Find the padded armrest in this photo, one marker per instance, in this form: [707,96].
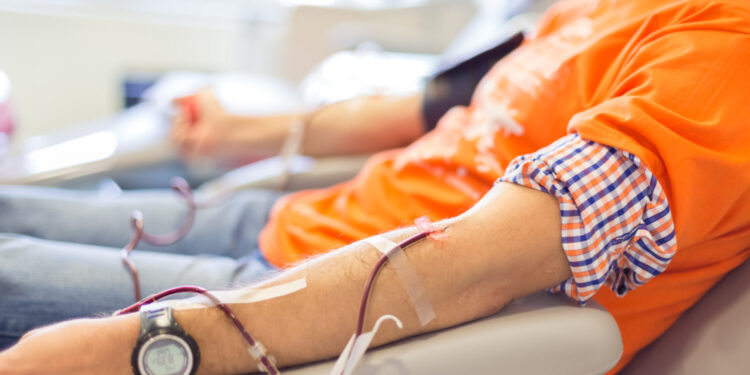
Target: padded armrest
[304,173]
[712,337]
[133,138]
[540,334]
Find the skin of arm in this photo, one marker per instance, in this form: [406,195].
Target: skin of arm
[507,246]
[357,126]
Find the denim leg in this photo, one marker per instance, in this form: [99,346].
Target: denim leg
[230,228]
[43,282]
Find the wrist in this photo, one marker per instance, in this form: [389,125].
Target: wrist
[163,346]
[258,136]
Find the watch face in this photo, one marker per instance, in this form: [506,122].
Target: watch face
[165,355]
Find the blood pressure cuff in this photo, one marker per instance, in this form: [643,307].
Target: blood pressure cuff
[455,80]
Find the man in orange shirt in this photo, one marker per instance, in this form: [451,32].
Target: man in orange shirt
[626,120]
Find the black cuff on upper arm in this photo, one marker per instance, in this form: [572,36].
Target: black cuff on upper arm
[455,81]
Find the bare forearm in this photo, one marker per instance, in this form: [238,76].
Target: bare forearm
[316,323]
[357,126]
[496,252]
[365,125]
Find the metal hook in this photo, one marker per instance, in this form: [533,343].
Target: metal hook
[136,221]
[181,187]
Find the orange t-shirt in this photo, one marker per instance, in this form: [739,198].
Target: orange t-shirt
[665,80]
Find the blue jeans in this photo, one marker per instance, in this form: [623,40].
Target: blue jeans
[59,251]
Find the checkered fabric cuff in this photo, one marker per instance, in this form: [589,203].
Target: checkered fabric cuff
[616,225]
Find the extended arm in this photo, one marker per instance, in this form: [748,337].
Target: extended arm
[356,126]
[506,246]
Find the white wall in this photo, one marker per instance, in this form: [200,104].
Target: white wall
[66,58]
[67,69]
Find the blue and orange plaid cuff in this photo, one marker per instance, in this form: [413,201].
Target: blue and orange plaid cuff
[616,225]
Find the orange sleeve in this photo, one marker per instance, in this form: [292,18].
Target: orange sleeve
[680,103]
[678,100]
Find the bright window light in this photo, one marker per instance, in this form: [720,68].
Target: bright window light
[76,152]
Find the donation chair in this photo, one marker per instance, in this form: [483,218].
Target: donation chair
[712,337]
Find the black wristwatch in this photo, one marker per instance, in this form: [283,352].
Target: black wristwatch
[163,347]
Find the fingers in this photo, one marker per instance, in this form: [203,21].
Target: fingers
[178,100]
[188,108]
[202,91]
[192,141]
[184,126]
[194,125]
[179,129]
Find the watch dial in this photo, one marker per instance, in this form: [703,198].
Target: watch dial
[166,357]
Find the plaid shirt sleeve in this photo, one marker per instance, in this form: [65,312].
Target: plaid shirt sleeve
[616,225]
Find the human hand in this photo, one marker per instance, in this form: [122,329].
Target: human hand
[201,126]
[81,347]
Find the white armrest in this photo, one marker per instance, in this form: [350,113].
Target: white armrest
[712,337]
[540,334]
[304,173]
[133,138]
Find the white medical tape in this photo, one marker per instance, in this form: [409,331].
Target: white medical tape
[238,296]
[357,346]
[407,274]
